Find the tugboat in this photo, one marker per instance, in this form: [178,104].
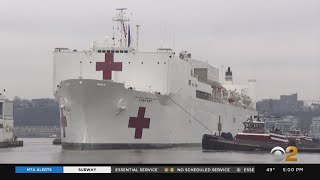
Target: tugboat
[254,137]
[301,140]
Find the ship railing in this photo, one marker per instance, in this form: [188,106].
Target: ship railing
[164,50]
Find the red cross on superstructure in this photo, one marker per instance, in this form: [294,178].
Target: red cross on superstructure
[108,66]
[139,123]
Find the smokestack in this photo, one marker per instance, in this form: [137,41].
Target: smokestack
[228,77]
[252,91]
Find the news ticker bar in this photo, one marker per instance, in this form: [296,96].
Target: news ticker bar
[134,169]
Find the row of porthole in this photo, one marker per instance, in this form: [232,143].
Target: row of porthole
[81,62]
[113,51]
[101,84]
[129,62]
[80,82]
[142,62]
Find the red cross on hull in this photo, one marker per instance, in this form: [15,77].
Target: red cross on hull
[139,123]
[108,66]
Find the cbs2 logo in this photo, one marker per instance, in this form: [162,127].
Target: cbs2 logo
[279,154]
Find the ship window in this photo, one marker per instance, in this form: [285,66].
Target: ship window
[141,62]
[1,125]
[189,82]
[121,51]
[125,51]
[108,51]
[103,51]
[117,51]
[99,51]
[158,63]
[201,73]
[234,120]
[165,62]
[129,62]
[202,95]
[112,51]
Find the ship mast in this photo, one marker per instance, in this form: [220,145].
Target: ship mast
[121,19]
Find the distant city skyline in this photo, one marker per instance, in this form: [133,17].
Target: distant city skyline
[276,42]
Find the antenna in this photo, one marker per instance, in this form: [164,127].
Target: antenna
[137,41]
[173,41]
[121,9]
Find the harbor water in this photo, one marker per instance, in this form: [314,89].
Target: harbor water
[42,151]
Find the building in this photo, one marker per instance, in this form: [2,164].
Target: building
[6,120]
[315,107]
[284,124]
[270,122]
[315,128]
[286,105]
[287,123]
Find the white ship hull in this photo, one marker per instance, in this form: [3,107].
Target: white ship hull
[102,114]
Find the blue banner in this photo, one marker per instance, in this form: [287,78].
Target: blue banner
[39,169]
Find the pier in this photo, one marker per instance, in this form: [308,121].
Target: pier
[36,131]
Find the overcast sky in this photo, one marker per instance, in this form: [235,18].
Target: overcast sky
[276,42]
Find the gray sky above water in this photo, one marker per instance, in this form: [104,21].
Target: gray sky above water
[276,42]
